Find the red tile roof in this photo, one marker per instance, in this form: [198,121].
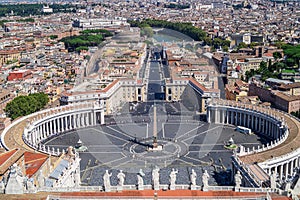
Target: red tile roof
[110,86]
[197,84]
[33,162]
[5,156]
[9,158]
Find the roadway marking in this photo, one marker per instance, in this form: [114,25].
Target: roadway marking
[109,135]
[202,133]
[122,163]
[129,124]
[210,150]
[103,164]
[104,145]
[186,162]
[190,131]
[199,145]
[155,80]
[186,156]
[125,134]
[182,123]
[217,144]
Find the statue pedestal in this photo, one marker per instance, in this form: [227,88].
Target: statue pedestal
[140,187]
[193,187]
[172,187]
[204,189]
[156,187]
[108,189]
[237,189]
[119,188]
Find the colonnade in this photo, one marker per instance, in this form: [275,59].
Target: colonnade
[285,168]
[55,123]
[258,122]
[261,122]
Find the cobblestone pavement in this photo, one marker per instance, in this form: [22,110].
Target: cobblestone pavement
[188,144]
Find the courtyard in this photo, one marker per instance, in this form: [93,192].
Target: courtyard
[123,144]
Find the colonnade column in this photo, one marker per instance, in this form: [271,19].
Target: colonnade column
[38,135]
[281,171]
[81,120]
[66,123]
[102,119]
[271,130]
[256,123]
[267,130]
[47,128]
[227,117]
[87,118]
[33,138]
[51,127]
[55,125]
[291,167]
[215,116]
[58,125]
[61,124]
[44,131]
[259,124]
[248,120]
[93,119]
[74,121]
[252,122]
[77,120]
[286,170]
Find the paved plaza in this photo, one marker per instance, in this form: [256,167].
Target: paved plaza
[122,144]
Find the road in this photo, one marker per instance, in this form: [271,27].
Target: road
[156,80]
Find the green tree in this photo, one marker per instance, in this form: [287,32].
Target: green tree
[88,38]
[242,45]
[52,37]
[79,49]
[253,44]
[277,55]
[279,44]
[225,48]
[217,42]
[147,31]
[25,105]
[249,74]
[185,28]
[290,62]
